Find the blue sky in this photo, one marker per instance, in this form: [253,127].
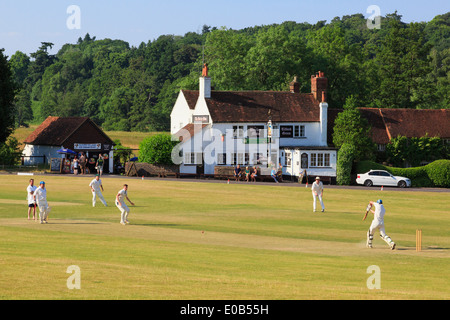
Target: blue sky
[24,24]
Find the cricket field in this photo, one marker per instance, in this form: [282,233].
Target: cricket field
[200,240]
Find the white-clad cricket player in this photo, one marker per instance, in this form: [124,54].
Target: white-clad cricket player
[40,196]
[97,188]
[30,197]
[378,223]
[120,203]
[317,192]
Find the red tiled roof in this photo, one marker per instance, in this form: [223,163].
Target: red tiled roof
[54,131]
[191,98]
[390,123]
[417,123]
[188,131]
[254,106]
[378,130]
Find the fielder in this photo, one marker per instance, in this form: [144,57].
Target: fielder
[120,203]
[40,196]
[31,202]
[377,223]
[317,192]
[96,185]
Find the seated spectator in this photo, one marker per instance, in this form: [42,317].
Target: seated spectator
[273,174]
[254,174]
[237,173]
[247,174]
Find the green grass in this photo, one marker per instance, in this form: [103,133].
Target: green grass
[193,240]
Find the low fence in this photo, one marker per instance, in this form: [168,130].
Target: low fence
[149,170]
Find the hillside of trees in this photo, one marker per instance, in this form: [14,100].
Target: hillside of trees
[401,65]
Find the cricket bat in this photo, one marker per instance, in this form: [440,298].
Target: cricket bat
[369,206]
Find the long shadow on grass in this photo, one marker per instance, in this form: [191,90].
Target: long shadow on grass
[161,225]
[75,223]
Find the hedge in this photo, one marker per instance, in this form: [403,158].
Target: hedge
[435,174]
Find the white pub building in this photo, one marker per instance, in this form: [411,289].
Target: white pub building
[254,128]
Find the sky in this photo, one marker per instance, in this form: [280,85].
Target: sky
[24,24]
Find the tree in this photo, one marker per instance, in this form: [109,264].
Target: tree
[19,64]
[225,52]
[346,155]
[351,128]
[275,57]
[403,151]
[23,111]
[7,91]
[402,60]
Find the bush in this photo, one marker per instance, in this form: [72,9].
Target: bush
[157,149]
[346,155]
[439,173]
[435,174]
[10,152]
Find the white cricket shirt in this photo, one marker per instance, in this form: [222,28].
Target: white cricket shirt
[96,184]
[41,195]
[379,212]
[122,194]
[317,187]
[30,191]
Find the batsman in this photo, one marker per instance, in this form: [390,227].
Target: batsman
[377,223]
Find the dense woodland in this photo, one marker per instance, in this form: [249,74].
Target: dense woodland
[134,88]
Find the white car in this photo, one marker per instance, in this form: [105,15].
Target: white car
[382,178]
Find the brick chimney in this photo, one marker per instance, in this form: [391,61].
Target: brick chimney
[319,86]
[294,86]
[205,83]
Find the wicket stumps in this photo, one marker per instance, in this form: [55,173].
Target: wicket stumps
[419,240]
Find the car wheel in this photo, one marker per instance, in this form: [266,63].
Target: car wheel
[402,184]
[368,183]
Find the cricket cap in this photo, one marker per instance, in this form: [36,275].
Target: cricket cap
[317,178]
[380,201]
[42,182]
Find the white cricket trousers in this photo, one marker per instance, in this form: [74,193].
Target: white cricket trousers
[124,211]
[43,211]
[380,226]
[315,200]
[377,225]
[98,194]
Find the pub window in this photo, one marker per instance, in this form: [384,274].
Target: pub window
[288,159]
[222,158]
[257,158]
[189,158]
[320,160]
[240,158]
[193,158]
[327,160]
[255,131]
[299,131]
[238,131]
[233,159]
[313,159]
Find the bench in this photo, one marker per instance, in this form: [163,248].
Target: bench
[227,172]
[165,174]
[324,179]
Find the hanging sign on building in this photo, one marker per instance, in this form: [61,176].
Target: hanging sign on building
[87,146]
